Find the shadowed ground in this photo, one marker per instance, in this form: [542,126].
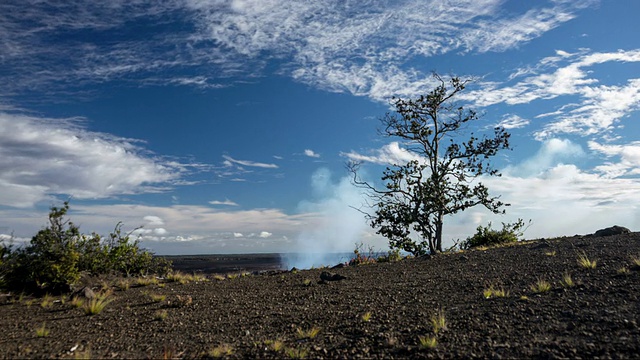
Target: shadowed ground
[271,315]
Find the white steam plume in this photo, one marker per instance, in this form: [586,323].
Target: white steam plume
[339,227]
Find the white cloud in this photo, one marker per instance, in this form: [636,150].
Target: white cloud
[226,202]
[629,158]
[552,152]
[237,235]
[311,153]
[264,234]
[230,160]
[600,107]
[153,220]
[513,122]
[363,48]
[40,158]
[390,154]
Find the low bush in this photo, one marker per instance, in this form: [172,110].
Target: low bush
[486,236]
[59,253]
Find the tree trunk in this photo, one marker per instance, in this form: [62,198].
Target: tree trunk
[438,238]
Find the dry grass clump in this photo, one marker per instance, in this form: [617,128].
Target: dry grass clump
[42,331]
[220,351]
[47,301]
[274,345]
[540,286]
[366,317]
[585,262]
[428,342]
[494,292]
[97,304]
[567,281]
[183,278]
[438,321]
[308,334]
[160,315]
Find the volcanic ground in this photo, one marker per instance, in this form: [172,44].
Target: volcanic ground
[382,310]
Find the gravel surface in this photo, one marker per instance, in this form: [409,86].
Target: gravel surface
[273,315]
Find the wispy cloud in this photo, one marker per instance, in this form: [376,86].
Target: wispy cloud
[390,154]
[249,163]
[362,48]
[40,158]
[513,121]
[598,108]
[311,153]
[225,202]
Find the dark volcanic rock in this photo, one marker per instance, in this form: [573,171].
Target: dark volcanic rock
[599,317]
[327,276]
[613,230]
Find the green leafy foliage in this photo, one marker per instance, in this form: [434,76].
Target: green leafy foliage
[442,178]
[486,236]
[59,253]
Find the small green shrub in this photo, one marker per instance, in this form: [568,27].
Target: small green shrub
[57,254]
[392,256]
[360,257]
[486,236]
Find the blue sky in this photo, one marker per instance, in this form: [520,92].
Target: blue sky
[224,126]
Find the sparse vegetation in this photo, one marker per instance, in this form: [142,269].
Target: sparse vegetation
[360,257]
[366,317]
[585,262]
[307,282]
[623,271]
[438,321]
[550,253]
[160,315]
[157,297]
[97,304]
[486,236]
[392,256]
[221,351]
[76,302]
[428,342]
[42,331]
[635,261]
[540,286]
[567,280]
[274,345]
[296,353]
[57,254]
[46,301]
[308,334]
[494,292]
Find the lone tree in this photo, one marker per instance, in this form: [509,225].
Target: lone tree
[442,180]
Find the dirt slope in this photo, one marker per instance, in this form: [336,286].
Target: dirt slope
[599,317]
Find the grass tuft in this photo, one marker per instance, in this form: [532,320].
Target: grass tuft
[296,353]
[494,292]
[47,301]
[636,262]
[97,304]
[567,281]
[550,253]
[623,271]
[540,286]
[428,342]
[585,263]
[160,315]
[438,321]
[275,345]
[42,331]
[366,317]
[220,351]
[157,297]
[308,334]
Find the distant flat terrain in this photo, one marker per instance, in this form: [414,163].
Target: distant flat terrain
[223,263]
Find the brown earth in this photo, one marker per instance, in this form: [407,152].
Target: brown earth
[597,318]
